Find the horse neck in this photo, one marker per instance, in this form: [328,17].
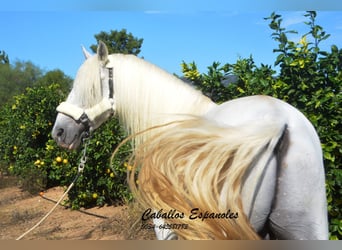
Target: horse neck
[147,95]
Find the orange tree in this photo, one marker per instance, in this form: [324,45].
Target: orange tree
[309,79]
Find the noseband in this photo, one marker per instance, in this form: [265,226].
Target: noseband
[89,115]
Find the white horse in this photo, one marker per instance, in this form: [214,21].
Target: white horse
[256,160]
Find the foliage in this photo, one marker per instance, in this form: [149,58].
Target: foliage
[211,84]
[55,76]
[119,42]
[309,79]
[15,78]
[4,57]
[25,127]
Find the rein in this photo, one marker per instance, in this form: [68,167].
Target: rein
[88,116]
[80,169]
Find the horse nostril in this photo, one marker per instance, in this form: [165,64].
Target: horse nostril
[60,132]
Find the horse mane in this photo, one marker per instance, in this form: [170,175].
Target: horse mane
[147,95]
[198,164]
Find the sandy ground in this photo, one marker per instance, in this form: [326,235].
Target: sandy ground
[19,211]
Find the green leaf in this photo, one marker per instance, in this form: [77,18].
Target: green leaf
[279,59]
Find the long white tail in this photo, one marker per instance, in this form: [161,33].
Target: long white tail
[196,164]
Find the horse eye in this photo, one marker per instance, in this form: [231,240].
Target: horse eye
[60,132]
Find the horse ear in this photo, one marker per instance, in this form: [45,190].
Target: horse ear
[102,52]
[86,53]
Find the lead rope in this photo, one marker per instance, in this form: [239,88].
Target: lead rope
[80,168]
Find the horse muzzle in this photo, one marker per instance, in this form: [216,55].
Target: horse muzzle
[68,133]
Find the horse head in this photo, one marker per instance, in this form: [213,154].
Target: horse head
[90,102]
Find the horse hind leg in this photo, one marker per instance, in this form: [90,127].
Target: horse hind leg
[163,233]
[300,209]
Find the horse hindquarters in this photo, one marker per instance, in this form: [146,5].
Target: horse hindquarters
[300,208]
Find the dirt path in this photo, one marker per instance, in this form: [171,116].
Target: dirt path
[19,211]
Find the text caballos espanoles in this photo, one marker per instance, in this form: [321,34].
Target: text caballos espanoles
[194,214]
